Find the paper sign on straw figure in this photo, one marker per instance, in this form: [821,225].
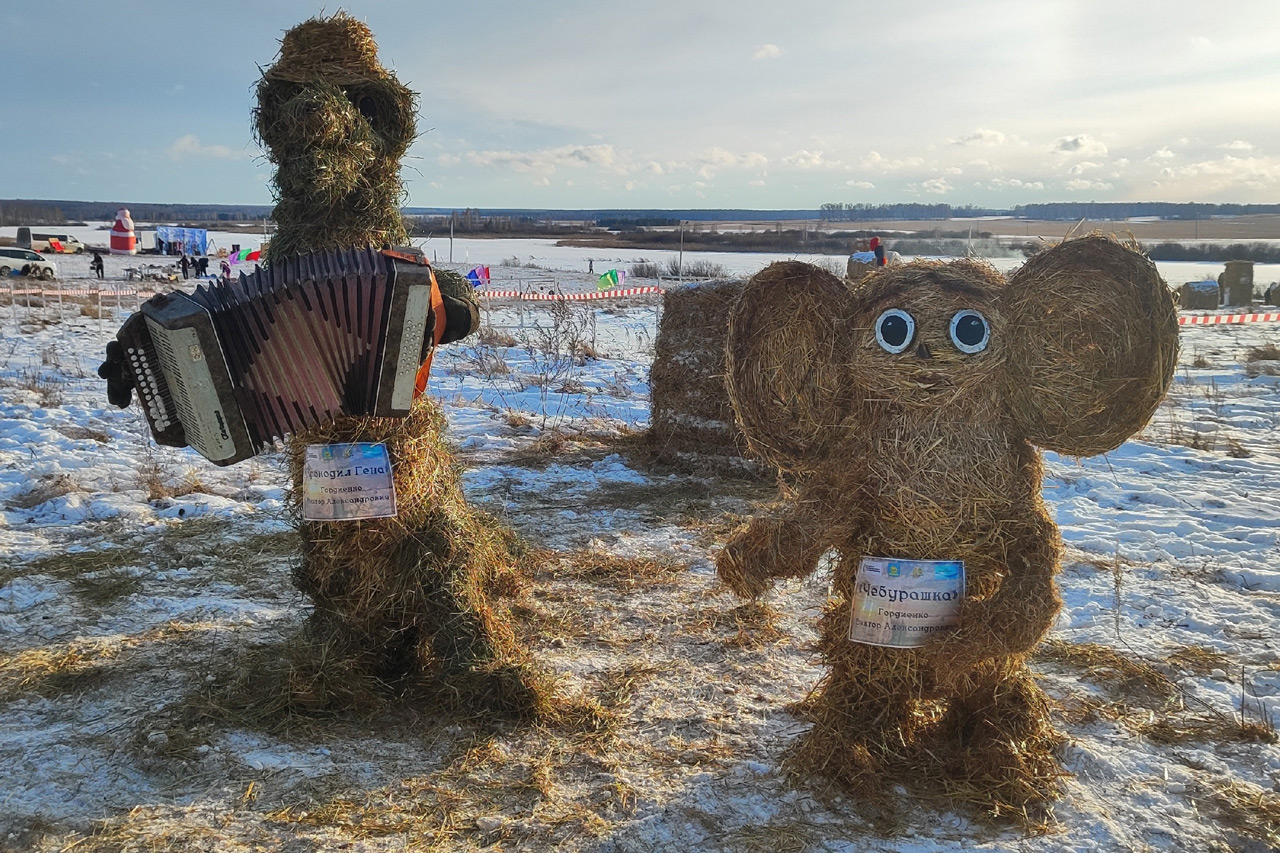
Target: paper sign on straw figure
[907,407]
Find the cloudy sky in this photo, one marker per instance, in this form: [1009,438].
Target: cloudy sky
[674,103]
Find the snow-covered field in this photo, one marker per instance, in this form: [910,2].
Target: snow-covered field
[135,580]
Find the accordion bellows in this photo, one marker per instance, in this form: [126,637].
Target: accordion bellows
[231,366]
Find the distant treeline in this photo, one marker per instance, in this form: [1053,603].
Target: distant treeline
[473,222]
[1261,253]
[1058,210]
[698,238]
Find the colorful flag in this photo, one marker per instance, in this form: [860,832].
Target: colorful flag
[478,276]
[613,278]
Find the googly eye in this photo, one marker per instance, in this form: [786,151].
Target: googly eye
[894,330]
[970,331]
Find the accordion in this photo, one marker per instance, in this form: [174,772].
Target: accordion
[231,366]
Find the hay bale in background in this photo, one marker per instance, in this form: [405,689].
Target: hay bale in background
[1236,283]
[1198,295]
[855,270]
[691,420]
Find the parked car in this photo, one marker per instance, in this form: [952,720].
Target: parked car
[25,262]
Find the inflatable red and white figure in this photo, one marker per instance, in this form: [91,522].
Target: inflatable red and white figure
[123,241]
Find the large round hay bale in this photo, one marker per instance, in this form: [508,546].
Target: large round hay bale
[1093,346]
[691,419]
[855,270]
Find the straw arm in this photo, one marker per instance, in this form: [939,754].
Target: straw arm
[785,545]
[1014,618]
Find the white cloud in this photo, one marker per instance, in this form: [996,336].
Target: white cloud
[716,158]
[1082,144]
[936,186]
[756,182]
[805,159]
[875,161]
[447,160]
[766,51]
[1085,184]
[1083,166]
[1237,145]
[1163,154]
[547,160]
[981,136]
[1015,183]
[190,146]
[860,185]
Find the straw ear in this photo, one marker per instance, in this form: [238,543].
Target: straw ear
[787,348]
[1092,345]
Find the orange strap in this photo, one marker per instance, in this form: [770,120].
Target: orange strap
[437,308]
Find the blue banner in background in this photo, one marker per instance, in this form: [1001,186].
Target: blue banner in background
[191,241]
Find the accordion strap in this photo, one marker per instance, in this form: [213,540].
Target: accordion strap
[437,310]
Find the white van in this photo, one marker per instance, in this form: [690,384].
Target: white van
[51,242]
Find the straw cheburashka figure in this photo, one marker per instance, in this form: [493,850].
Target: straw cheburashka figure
[907,408]
[410,597]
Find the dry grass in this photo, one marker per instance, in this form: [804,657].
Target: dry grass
[603,568]
[1246,809]
[1262,361]
[48,487]
[1146,700]
[489,336]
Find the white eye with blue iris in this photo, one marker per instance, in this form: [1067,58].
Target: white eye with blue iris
[970,331]
[894,330]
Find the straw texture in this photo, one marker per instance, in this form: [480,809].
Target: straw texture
[405,602]
[335,124]
[927,454]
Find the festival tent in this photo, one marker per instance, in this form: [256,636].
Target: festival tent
[478,276]
[191,241]
[613,278]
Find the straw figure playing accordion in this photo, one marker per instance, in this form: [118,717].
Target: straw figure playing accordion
[906,408]
[326,345]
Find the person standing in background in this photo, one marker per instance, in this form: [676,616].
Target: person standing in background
[878,249]
[95,265]
[184,265]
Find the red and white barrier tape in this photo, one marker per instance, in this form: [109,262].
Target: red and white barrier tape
[544,297]
[1216,319]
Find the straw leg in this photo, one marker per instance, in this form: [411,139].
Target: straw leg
[1001,745]
[865,713]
